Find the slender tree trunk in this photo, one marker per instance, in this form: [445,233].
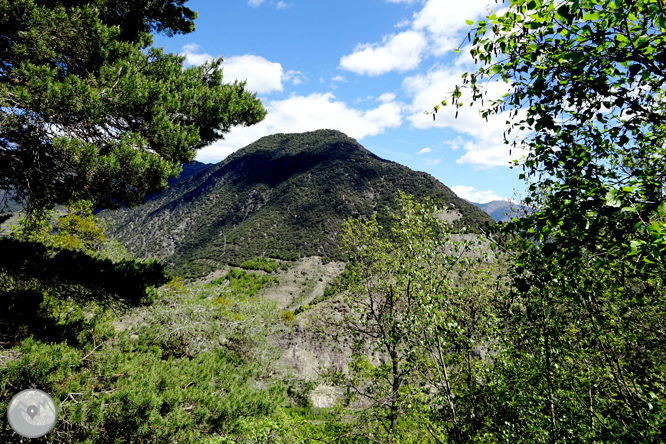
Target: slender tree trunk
[549,379]
[449,393]
[394,396]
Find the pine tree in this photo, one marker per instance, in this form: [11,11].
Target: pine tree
[90,110]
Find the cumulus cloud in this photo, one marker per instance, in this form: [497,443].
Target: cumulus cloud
[483,156]
[281,5]
[193,56]
[424,150]
[444,21]
[255,3]
[262,76]
[436,29]
[400,52]
[483,141]
[474,195]
[339,78]
[307,113]
[386,97]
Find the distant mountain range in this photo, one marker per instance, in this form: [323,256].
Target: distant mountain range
[503,210]
[283,196]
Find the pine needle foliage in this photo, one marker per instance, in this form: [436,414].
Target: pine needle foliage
[90,110]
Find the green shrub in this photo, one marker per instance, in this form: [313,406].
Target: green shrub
[260,263]
[242,283]
[122,394]
[208,317]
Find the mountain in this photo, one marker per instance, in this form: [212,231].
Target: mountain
[283,196]
[502,210]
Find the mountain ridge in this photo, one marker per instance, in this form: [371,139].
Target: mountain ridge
[503,210]
[283,196]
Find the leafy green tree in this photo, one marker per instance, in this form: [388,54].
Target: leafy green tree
[583,357]
[76,230]
[90,110]
[416,310]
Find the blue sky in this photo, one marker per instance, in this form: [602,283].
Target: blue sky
[369,68]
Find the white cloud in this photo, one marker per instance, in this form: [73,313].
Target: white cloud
[255,3]
[296,77]
[484,156]
[437,28]
[444,20]
[433,161]
[400,52]
[307,113]
[386,97]
[281,5]
[474,195]
[262,75]
[482,141]
[456,143]
[424,150]
[339,78]
[192,55]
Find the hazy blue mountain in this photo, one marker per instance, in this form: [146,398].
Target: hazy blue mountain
[502,210]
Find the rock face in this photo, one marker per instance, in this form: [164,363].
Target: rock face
[283,196]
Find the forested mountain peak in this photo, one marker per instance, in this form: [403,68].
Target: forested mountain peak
[285,196]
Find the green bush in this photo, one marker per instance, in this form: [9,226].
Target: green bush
[242,283]
[121,394]
[260,263]
[188,320]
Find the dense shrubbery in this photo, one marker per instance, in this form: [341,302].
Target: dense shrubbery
[193,365]
[242,282]
[122,393]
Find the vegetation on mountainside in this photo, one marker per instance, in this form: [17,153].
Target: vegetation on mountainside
[261,263]
[185,369]
[242,282]
[50,284]
[284,196]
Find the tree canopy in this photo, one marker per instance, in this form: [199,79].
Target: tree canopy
[90,110]
[586,79]
[582,354]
